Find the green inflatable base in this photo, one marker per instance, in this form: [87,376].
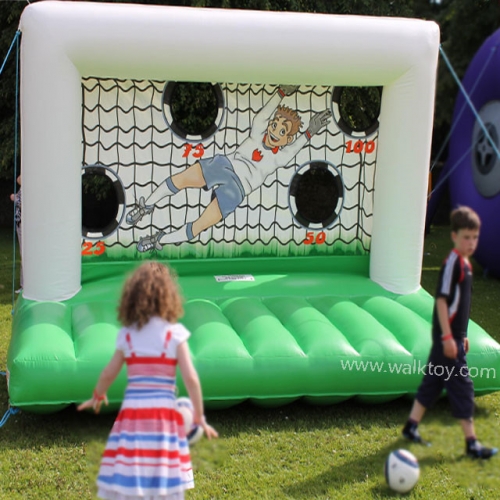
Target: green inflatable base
[271,331]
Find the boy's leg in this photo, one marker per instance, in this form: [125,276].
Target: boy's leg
[191,177]
[166,188]
[429,390]
[410,430]
[210,216]
[468,428]
[460,391]
[473,448]
[417,411]
[217,173]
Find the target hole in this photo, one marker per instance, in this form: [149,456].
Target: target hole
[316,195]
[357,109]
[193,110]
[102,198]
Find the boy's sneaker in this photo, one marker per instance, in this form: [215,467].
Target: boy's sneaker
[477,450]
[150,243]
[135,215]
[411,433]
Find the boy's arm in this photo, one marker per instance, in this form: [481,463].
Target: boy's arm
[266,112]
[449,345]
[318,121]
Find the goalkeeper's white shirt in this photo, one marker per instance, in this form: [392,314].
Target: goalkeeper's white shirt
[253,161]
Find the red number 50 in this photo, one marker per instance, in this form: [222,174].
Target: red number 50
[319,239]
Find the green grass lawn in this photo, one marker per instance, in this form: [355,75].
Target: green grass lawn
[292,452]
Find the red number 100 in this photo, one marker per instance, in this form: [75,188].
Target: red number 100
[359,146]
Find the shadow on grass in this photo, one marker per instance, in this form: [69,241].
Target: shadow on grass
[28,431]
[338,476]
[345,416]
[31,431]
[300,416]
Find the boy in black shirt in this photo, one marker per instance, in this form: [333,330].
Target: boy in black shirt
[449,338]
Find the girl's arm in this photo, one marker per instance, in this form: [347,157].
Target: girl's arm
[107,377]
[193,386]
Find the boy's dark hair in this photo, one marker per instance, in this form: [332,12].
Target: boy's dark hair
[464,218]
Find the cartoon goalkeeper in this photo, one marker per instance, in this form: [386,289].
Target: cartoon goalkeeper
[272,144]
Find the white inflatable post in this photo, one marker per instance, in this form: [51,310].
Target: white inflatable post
[401,180]
[51,157]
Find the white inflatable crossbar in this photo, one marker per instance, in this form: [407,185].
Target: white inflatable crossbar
[65,41]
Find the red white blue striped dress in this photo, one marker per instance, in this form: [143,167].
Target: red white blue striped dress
[147,454]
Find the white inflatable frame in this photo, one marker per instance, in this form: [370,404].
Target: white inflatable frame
[65,41]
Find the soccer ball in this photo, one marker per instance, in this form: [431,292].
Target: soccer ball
[193,432]
[401,471]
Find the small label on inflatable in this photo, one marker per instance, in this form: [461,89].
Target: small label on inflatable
[234,277]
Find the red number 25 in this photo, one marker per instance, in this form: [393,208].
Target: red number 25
[89,248]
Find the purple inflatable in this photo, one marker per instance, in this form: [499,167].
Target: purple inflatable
[473,166]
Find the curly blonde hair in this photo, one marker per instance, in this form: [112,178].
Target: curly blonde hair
[151,290]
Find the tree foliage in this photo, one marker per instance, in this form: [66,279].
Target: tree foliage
[9,20]
[465,24]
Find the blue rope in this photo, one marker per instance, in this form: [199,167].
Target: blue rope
[16,132]
[480,121]
[450,171]
[469,102]
[14,40]
[11,411]
[463,108]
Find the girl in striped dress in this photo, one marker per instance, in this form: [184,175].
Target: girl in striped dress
[147,454]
